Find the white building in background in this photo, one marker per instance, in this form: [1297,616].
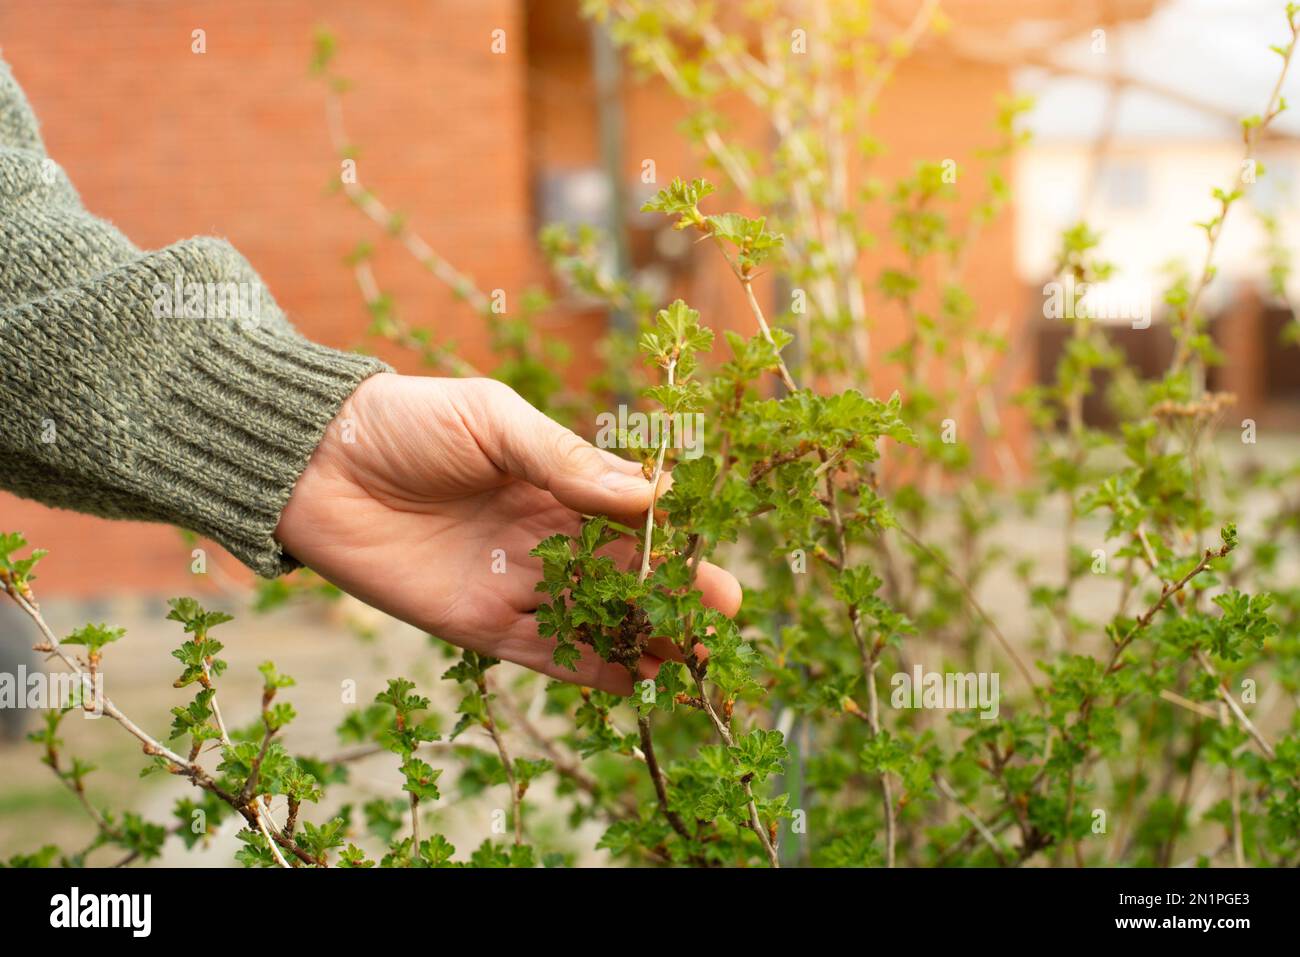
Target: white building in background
[1164,155]
[1134,127]
[1148,197]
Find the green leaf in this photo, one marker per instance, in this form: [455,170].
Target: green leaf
[94,637]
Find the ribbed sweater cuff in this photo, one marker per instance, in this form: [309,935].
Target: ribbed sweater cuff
[250,405]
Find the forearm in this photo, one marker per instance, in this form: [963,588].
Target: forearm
[163,385]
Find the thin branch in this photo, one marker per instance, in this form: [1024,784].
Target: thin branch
[869,659]
[724,734]
[568,767]
[757,310]
[1231,702]
[1196,707]
[974,603]
[969,814]
[490,723]
[660,782]
[1251,136]
[245,798]
[151,746]
[655,476]
[462,285]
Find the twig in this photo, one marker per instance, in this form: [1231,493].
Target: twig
[1167,591]
[980,827]
[366,201]
[567,766]
[869,660]
[757,310]
[244,797]
[151,746]
[974,603]
[1231,702]
[402,335]
[657,778]
[655,476]
[724,734]
[1251,135]
[1204,710]
[490,723]
[415,824]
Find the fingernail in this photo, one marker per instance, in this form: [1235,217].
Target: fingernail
[623,482]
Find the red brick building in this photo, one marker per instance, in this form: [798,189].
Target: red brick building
[167,142]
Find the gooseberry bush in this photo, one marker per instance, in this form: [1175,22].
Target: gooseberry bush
[1144,685]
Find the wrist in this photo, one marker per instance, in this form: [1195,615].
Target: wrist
[329,471]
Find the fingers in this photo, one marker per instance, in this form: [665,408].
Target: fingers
[719,588]
[524,646]
[528,445]
[664,648]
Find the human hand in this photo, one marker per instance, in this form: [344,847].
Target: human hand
[438,475]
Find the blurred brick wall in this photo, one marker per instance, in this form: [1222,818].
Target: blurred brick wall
[167,143]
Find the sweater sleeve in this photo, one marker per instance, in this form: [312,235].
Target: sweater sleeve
[163,386]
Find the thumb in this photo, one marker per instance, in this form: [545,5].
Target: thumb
[530,445]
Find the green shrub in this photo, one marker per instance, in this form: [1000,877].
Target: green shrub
[870,532]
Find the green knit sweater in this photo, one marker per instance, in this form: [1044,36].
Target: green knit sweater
[165,386]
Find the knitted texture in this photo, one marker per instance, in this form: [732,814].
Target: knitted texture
[164,386]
